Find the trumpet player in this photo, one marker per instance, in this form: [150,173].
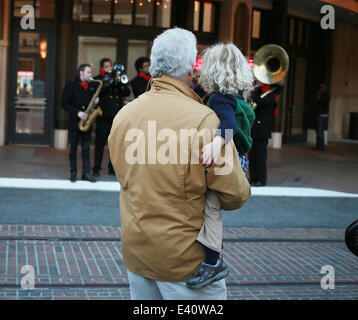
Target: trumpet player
[76,96]
[111,101]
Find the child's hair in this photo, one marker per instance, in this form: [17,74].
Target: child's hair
[225,70]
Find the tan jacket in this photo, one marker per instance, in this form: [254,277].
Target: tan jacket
[161,205]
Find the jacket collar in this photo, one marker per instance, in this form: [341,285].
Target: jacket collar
[171,84]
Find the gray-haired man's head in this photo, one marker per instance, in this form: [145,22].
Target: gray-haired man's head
[173,54]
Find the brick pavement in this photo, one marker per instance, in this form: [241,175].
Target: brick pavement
[85,262]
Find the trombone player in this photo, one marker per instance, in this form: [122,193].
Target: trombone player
[271,64]
[76,96]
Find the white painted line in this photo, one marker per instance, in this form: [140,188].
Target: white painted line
[50,184]
[53,184]
[299,192]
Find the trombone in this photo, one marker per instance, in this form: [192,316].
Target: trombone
[271,64]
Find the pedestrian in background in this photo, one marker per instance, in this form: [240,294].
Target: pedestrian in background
[322,116]
[140,82]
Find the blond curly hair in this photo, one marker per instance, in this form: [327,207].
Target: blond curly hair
[225,69]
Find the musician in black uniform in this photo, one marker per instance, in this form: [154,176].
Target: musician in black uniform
[76,97]
[110,101]
[260,133]
[140,82]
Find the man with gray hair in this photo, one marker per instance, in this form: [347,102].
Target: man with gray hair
[162,202]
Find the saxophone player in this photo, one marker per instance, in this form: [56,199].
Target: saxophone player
[76,96]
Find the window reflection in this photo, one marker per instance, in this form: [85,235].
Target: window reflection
[31,101]
[209,13]
[196,15]
[163,13]
[81,10]
[45,9]
[101,11]
[123,11]
[144,12]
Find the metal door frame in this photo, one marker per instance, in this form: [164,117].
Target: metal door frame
[47,137]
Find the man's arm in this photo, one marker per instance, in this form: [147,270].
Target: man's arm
[232,187]
[67,101]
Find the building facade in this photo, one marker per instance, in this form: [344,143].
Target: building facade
[36,63]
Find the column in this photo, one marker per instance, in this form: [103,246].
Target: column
[63,72]
[4,61]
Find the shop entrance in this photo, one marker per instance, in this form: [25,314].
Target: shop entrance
[32,83]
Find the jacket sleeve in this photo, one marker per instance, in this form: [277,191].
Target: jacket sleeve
[224,108]
[227,178]
[266,101]
[67,100]
[125,91]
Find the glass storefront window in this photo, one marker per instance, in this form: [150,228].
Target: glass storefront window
[123,11]
[144,12]
[136,49]
[92,49]
[81,10]
[45,9]
[30,101]
[209,17]
[196,15]
[18,4]
[256,24]
[163,13]
[101,11]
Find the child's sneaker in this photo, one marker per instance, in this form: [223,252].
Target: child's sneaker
[207,274]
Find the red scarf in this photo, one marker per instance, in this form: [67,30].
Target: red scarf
[265,88]
[145,76]
[84,85]
[102,72]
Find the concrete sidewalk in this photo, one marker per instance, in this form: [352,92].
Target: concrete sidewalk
[295,165]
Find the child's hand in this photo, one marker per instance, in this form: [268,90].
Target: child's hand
[212,151]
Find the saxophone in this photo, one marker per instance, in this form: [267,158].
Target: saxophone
[91,112]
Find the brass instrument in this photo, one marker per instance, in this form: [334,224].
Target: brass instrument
[271,64]
[91,111]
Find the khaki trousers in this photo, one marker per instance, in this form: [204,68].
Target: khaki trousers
[142,288]
[211,233]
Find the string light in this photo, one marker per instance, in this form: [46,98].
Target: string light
[196,6]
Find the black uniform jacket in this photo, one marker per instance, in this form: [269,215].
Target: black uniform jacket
[262,126]
[75,98]
[323,103]
[139,86]
[111,97]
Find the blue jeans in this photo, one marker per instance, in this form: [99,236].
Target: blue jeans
[321,126]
